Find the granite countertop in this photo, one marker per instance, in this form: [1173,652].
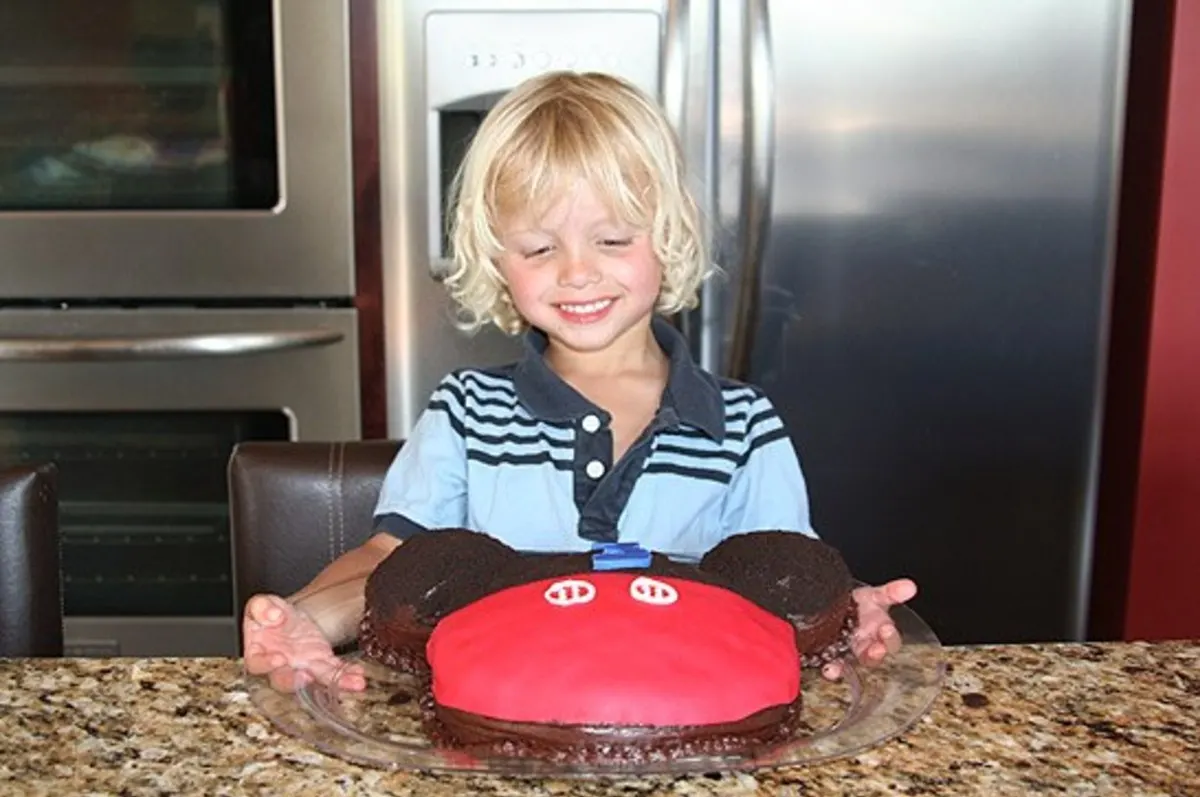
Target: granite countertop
[1121,719]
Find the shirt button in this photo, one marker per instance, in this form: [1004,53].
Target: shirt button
[590,423]
[595,469]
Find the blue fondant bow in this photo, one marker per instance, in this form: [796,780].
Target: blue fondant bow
[619,555]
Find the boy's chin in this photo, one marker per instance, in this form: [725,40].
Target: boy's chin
[588,340]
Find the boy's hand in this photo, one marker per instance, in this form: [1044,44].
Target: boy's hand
[283,643]
[876,636]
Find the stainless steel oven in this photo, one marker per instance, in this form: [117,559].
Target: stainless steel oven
[214,134]
[141,414]
[176,275]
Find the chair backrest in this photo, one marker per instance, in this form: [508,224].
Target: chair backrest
[30,569]
[297,506]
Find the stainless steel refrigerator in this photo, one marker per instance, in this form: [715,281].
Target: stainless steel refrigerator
[914,207]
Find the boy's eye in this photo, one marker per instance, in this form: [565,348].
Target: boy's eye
[616,243]
[537,252]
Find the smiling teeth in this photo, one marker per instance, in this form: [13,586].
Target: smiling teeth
[584,309]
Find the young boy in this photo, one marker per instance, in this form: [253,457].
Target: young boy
[572,226]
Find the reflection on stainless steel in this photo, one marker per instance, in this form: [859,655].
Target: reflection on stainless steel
[758,172]
[150,347]
[935,288]
[694,130]
[675,63]
[673,84]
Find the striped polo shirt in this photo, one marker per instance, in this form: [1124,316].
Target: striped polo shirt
[518,454]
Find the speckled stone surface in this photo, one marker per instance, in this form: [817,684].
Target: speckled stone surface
[1120,719]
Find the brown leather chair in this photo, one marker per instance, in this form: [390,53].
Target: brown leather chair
[295,507]
[30,569]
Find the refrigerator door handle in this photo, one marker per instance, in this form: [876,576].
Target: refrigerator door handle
[758,167]
[674,73]
[160,347]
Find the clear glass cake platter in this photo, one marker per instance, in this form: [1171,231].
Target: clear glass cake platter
[381,726]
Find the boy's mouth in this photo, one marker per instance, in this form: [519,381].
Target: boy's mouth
[585,311]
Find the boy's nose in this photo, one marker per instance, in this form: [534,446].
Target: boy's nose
[576,271]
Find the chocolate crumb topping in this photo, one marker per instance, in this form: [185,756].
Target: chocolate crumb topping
[436,573]
[789,574]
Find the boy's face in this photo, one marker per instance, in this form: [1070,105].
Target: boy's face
[587,279]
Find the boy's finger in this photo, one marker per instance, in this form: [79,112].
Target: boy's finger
[286,679]
[264,610]
[353,679]
[257,663]
[290,677]
[323,669]
[890,637]
[901,590]
[874,654]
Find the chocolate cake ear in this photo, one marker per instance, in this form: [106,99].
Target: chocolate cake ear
[796,577]
[437,572]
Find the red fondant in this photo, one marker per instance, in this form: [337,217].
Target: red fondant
[712,656]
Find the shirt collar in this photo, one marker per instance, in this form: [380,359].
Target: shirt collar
[693,393]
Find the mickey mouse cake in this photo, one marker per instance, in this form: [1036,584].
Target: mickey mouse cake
[615,655]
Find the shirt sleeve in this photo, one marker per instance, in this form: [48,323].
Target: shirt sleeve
[767,491]
[426,485]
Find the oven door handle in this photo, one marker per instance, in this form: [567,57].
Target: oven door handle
[161,347]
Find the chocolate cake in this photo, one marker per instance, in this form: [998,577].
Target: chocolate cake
[422,581]
[616,655]
[796,577]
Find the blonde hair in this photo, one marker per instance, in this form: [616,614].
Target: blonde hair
[542,137]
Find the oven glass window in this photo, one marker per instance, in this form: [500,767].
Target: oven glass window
[143,514]
[137,104]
